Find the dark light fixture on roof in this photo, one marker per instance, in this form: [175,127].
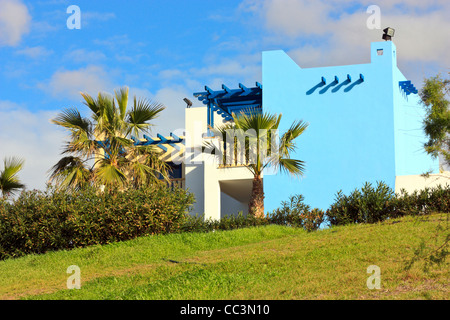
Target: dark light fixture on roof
[388,34]
[188,102]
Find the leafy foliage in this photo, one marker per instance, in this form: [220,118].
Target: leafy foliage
[434,95]
[256,145]
[37,221]
[101,149]
[370,205]
[297,214]
[294,213]
[9,181]
[198,223]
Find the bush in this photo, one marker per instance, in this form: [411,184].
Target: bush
[39,221]
[424,201]
[294,213]
[370,205]
[297,214]
[198,223]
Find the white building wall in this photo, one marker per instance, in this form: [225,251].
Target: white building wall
[203,174]
[418,182]
[231,206]
[195,125]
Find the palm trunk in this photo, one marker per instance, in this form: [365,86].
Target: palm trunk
[256,205]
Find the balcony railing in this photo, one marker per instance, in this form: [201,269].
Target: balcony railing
[177,183]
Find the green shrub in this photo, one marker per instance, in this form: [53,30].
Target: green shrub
[370,205]
[39,221]
[423,201]
[198,223]
[293,213]
[297,214]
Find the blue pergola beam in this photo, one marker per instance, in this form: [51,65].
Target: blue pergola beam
[135,140]
[175,137]
[162,138]
[244,88]
[223,100]
[227,90]
[149,141]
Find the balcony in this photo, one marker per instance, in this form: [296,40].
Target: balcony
[177,183]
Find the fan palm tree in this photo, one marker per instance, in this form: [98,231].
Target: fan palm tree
[9,181]
[262,148]
[101,150]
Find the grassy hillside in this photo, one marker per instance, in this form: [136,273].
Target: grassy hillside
[270,262]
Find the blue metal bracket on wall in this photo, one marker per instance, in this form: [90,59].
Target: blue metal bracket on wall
[408,87]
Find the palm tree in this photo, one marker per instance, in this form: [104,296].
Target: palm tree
[101,150]
[263,148]
[9,182]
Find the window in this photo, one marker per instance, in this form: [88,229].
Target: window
[380,52]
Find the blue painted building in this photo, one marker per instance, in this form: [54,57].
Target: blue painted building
[365,124]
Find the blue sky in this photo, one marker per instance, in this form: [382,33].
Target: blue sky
[166,50]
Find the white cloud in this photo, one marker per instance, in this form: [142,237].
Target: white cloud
[335,32]
[171,74]
[38,52]
[30,136]
[69,83]
[14,22]
[295,18]
[226,68]
[114,42]
[172,118]
[85,56]
[88,17]
[231,72]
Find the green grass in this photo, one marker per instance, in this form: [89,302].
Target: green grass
[270,262]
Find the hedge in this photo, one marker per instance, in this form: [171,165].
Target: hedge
[41,221]
[373,204]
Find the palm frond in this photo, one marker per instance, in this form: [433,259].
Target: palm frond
[255,135]
[155,168]
[92,104]
[122,101]
[9,181]
[108,174]
[107,138]
[107,112]
[293,167]
[256,120]
[70,173]
[81,145]
[287,141]
[142,112]
[71,119]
